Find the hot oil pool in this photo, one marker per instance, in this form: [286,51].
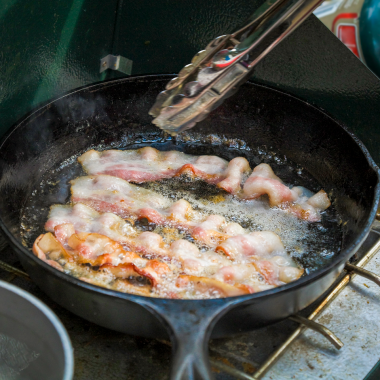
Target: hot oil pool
[311,245]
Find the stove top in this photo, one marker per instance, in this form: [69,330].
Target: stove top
[286,350]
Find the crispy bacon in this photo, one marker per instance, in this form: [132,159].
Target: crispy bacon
[264,181]
[48,247]
[111,194]
[149,164]
[234,175]
[93,231]
[154,271]
[257,244]
[98,250]
[212,287]
[104,193]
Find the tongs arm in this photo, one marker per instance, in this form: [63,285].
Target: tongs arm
[217,72]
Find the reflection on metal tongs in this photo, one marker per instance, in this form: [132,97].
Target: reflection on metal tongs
[216,73]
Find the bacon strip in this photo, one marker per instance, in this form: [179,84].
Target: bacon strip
[98,250]
[184,253]
[86,219]
[149,164]
[234,175]
[82,218]
[264,181]
[64,221]
[257,244]
[47,248]
[206,273]
[154,271]
[113,195]
[212,286]
[75,219]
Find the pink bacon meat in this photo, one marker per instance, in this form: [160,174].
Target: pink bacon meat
[265,251]
[113,195]
[64,221]
[149,164]
[98,250]
[264,181]
[67,220]
[256,243]
[83,218]
[181,252]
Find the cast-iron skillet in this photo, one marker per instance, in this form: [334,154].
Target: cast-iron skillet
[115,113]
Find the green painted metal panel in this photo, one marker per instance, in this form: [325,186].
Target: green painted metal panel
[48,47]
[311,64]
[314,65]
[162,36]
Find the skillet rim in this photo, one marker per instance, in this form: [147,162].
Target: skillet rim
[343,256]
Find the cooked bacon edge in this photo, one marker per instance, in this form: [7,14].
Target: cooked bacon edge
[99,251]
[254,261]
[263,181]
[109,194]
[256,243]
[212,286]
[149,164]
[96,238]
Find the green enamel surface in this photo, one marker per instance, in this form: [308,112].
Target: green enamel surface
[50,47]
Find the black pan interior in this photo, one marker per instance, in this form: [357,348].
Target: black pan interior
[312,245]
[258,123]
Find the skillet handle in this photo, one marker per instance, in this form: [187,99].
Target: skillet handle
[190,324]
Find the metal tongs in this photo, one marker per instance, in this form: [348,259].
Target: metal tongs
[216,73]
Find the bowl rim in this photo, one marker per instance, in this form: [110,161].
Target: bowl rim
[54,320]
